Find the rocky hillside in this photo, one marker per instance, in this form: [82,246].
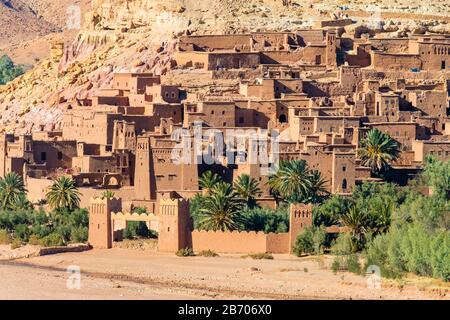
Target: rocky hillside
[19,22]
[140,35]
[27,26]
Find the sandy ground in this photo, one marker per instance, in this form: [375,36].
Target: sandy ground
[130,274]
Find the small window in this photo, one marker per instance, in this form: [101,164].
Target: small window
[344,184]
[60,155]
[43,156]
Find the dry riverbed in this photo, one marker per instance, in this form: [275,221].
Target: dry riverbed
[130,274]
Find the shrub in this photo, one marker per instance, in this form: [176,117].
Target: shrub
[22,232]
[79,234]
[329,212]
[346,263]
[336,265]
[9,71]
[411,248]
[207,253]
[310,241]
[267,220]
[16,243]
[185,252]
[5,238]
[343,245]
[52,240]
[304,244]
[138,229]
[33,240]
[259,256]
[353,264]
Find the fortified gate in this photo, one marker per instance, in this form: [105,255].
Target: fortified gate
[172,221]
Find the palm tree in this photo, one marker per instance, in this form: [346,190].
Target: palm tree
[63,194]
[208,180]
[247,189]
[378,150]
[292,181]
[21,203]
[11,187]
[318,189]
[356,221]
[220,209]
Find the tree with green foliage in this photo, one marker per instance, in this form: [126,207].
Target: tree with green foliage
[378,150]
[437,175]
[11,189]
[318,190]
[8,71]
[330,211]
[310,241]
[208,180]
[247,189]
[138,229]
[292,181]
[63,194]
[220,209]
[266,220]
[356,221]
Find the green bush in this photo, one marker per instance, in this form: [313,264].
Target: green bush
[348,262]
[411,248]
[185,252]
[138,229]
[79,234]
[266,220]
[330,211]
[22,232]
[310,241]
[5,238]
[304,244]
[344,245]
[8,71]
[336,265]
[52,240]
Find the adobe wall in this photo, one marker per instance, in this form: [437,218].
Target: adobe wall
[37,188]
[214,42]
[277,242]
[233,60]
[124,193]
[239,242]
[395,61]
[192,59]
[281,57]
[400,45]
